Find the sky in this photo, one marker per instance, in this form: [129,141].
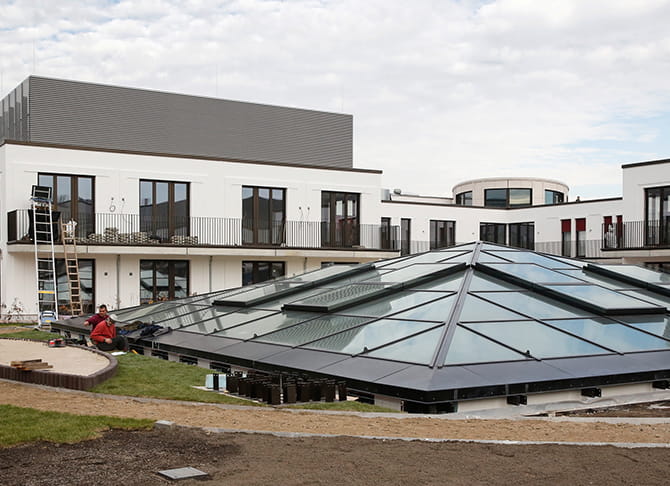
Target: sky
[441,91]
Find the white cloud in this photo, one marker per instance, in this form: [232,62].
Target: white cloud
[440,91]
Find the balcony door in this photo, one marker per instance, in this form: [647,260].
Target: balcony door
[73,199]
[339,219]
[263,215]
[657,217]
[164,209]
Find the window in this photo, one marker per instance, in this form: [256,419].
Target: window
[256,272]
[580,228]
[405,235]
[508,198]
[163,280]
[522,235]
[657,217]
[493,232]
[263,215]
[73,198]
[164,209]
[553,197]
[566,237]
[386,234]
[86,285]
[495,198]
[464,198]
[442,234]
[339,219]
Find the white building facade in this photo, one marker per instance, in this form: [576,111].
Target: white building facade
[171,205]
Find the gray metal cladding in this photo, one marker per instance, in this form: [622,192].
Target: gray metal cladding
[117,118]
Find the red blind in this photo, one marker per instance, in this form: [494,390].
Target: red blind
[608,221]
[565,225]
[580,224]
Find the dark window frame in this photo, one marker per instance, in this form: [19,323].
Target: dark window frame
[340,231]
[255,275]
[442,233]
[385,233]
[259,231]
[522,235]
[464,198]
[493,232]
[88,305]
[405,236]
[507,192]
[171,225]
[657,229]
[566,237]
[580,237]
[85,224]
[158,293]
[553,197]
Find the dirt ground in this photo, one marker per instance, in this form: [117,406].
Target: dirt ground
[134,458]
[236,458]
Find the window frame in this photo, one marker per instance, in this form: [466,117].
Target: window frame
[442,233]
[485,228]
[340,231]
[256,272]
[84,227]
[253,226]
[165,228]
[171,280]
[464,198]
[520,233]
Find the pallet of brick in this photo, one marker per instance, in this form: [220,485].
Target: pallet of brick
[95,238]
[111,235]
[30,365]
[140,237]
[124,238]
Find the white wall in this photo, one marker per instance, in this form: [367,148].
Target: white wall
[635,180]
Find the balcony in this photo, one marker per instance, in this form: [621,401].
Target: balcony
[636,235]
[132,230]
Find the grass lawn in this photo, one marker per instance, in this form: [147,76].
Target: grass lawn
[144,376]
[19,425]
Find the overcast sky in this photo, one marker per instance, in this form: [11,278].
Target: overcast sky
[441,90]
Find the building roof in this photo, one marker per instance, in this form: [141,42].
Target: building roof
[470,321]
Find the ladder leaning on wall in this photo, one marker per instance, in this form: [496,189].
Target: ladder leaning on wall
[45,263]
[68,239]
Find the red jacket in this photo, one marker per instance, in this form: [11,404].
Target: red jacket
[102,331]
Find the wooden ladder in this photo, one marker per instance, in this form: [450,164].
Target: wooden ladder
[69,242]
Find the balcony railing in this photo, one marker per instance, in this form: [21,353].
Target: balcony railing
[131,229]
[635,235]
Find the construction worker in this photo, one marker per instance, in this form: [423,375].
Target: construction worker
[105,338]
[96,319]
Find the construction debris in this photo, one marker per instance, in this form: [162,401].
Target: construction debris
[30,365]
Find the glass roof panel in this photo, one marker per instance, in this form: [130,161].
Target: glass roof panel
[411,272]
[483,282]
[271,323]
[468,347]
[459,258]
[450,282]
[649,296]
[276,304]
[434,311]
[466,246]
[225,321]
[173,312]
[485,257]
[390,304]
[342,296]
[655,324]
[475,309]
[638,273]
[249,297]
[325,272]
[536,306]
[430,257]
[532,273]
[601,280]
[202,314]
[369,336]
[491,246]
[137,313]
[418,349]
[612,335]
[313,330]
[606,299]
[530,257]
[537,339]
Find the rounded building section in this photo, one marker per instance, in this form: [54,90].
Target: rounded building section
[510,192]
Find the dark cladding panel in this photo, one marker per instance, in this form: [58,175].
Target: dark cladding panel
[117,118]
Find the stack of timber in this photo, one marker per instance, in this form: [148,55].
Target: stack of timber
[30,365]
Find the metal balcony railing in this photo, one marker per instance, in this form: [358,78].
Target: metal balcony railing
[132,229]
[635,235]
